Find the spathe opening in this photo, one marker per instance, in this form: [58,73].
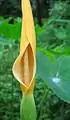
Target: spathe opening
[24,66]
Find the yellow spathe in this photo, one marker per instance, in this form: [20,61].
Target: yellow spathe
[24,67]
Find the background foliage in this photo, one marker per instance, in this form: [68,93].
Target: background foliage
[52,27]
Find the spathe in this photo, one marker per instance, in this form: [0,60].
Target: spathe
[25,65]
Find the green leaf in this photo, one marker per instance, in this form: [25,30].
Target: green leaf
[60,33]
[1,18]
[5,41]
[38,29]
[10,31]
[56,74]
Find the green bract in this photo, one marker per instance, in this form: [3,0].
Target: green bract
[28,109]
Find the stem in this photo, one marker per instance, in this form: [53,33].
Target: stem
[62,110]
[46,92]
[39,16]
[27,108]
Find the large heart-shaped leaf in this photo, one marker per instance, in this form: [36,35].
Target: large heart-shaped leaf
[55,73]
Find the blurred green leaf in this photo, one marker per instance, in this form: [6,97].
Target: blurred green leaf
[56,74]
[60,33]
[10,31]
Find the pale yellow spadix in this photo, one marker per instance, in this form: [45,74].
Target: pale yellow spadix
[25,65]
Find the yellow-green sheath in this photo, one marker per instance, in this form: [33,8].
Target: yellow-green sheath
[28,108]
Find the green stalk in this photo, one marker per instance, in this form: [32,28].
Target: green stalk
[27,108]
